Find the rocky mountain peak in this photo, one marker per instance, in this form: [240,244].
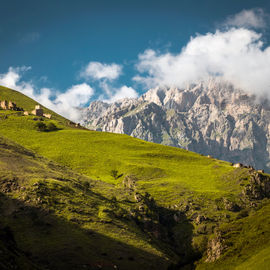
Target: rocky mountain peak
[211,117]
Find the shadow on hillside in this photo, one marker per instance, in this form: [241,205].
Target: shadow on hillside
[32,235]
[180,236]
[35,236]
[172,229]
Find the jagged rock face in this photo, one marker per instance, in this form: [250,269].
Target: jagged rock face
[215,248]
[210,118]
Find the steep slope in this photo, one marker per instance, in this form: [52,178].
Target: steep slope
[26,103]
[54,218]
[151,206]
[243,250]
[209,118]
[97,154]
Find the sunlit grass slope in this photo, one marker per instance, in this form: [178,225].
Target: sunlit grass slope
[248,240]
[25,102]
[53,217]
[160,169]
[184,193]
[259,261]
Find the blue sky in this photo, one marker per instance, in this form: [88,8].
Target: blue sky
[58,39]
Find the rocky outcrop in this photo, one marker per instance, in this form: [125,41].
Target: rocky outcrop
[215,248]
[230,206]
[258,187]
[211,118]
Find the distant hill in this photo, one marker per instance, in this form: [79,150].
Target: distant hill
[72,198]
[211,118]
[25,102]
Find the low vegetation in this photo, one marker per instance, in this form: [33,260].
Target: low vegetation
[41,126]
[75,198]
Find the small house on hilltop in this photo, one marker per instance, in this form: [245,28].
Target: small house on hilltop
[12,105]
[238,165]
[47,115]
[9,106]
[4,104]
[38,111]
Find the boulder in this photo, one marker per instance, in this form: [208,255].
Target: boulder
[231,206]
[216,247]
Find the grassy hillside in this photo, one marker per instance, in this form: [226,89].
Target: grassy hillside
[54,217]
[96,154]
[26,103]
[159,202]
[261,260]
[248,242]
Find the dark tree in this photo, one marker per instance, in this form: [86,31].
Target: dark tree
[40,126]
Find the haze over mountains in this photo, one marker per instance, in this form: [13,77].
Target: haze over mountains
[211,118]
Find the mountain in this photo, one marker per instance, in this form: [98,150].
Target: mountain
[211,118]
[72,198]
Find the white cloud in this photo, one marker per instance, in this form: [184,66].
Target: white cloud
[252,18]
[75,97]
[123,92]
[236,55]
[66,103]
[12,79]
[111,94]
[63,103]
[105,74]
[97,71]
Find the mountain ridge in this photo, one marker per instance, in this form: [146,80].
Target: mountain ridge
[211,118]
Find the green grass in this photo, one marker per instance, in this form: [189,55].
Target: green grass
[73,167]
[260,260]
[247,241]
[53,214]
[25,102]
[96,154]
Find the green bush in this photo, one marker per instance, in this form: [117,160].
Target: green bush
[86,185]
[114,174]
[40,126]
[51,127]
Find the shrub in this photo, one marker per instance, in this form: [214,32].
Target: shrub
[86,185]
[114,174]
[51,127]
[242,214]
[40,126]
